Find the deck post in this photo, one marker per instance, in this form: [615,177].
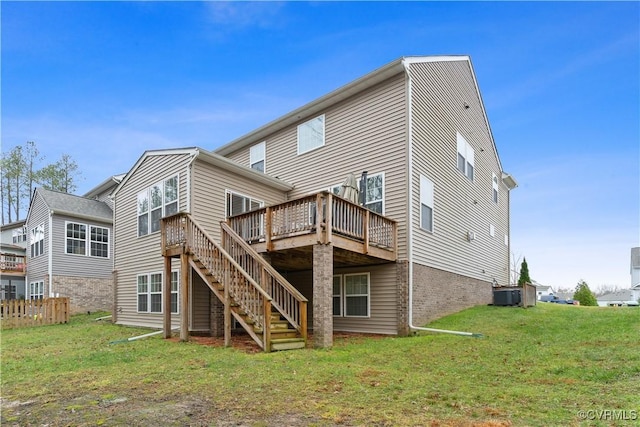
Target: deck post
[166,298]
[322,295]
[184,297]
[227,305]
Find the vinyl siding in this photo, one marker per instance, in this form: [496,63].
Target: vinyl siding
[78,265]
[365,132]
[140,255]
[209,186]
[439,93]
[38,267]
[383,300]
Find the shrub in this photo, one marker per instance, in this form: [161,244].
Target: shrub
[584,294]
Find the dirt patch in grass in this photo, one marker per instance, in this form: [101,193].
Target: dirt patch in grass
[243,342]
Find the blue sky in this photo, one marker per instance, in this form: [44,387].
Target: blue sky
[104,81]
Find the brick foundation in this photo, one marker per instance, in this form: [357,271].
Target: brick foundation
[86,294]
[437,293]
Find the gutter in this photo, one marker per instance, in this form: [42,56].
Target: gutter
[413,327]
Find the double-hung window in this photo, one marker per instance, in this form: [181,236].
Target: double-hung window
[257,156]
[351,295]
[374,193]
[19,235]
[465,157]
[426,203]
[494,185]
[311,134]
[83,239]
[155,202]
[36,290]
[36,240]
[149,290]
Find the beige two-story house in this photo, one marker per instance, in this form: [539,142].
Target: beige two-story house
[375,208]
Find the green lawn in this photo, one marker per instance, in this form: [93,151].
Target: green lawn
[533,367]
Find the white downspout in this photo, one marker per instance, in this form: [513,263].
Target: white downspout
[412,327]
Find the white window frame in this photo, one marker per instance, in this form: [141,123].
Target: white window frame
[258,155]
[165,206]
[92,241]
[465,153]
[311,134]
[36,290]
[344,297]
[495,187]
[228,200]
[367,201]
[36,241]
[19,235]
[88,240]
[337,296]
[427,189]
[157,279]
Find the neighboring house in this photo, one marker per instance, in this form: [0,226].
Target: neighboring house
[431,236]
[629,297]
[542,290]
[70,250]
[635,267]
[13,261]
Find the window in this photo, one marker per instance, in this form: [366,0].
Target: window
[311,135]
[155,202]
[149,290]
[426,204]
[351,295]
[337,295]
[36,290]
[238,204]
[492,230]
[494,184]
[99,241]
[257,157]
[77,240]
[374,193]
[36,240]
[174,291]
[465,157]
[19,235]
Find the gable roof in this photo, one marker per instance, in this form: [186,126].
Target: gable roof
[76,206]
[361,84]
[213,159]
[105,185]
[622,295]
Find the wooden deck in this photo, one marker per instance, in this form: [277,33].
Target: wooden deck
[289,230]
[13,265]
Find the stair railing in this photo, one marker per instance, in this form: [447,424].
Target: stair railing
[181,230]
[289,302]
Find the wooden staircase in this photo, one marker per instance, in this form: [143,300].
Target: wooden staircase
[263,302]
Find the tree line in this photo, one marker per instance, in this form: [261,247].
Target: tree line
[22,171]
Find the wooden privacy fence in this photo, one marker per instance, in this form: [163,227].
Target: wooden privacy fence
[48,311]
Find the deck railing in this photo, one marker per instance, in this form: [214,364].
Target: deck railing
[13,264]
[302,216]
